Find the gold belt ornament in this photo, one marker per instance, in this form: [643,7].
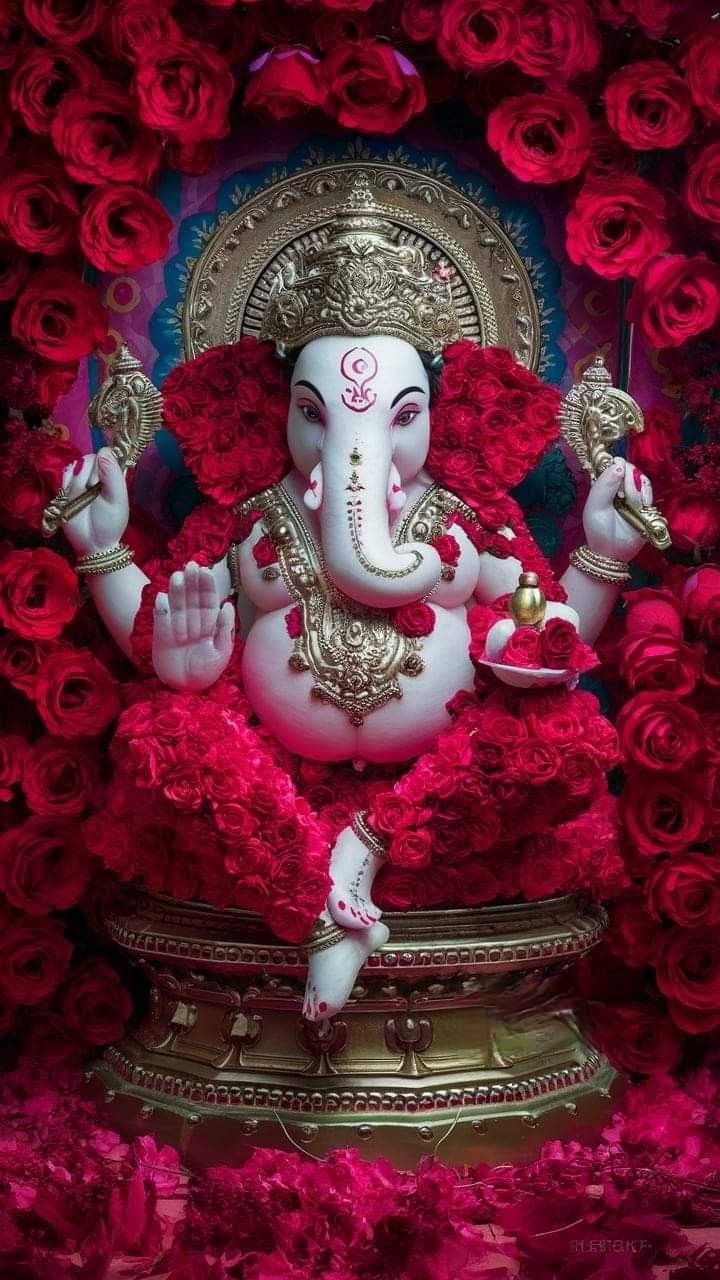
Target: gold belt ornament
[355,654]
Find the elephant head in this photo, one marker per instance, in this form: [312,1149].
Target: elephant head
[359,431]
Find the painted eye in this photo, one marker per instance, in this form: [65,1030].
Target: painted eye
[310,413]
[406,416]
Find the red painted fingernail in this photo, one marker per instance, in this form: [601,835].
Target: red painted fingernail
[637,477]
[341,906]
[77,467]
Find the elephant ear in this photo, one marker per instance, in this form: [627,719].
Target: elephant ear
[227,409]
[491,423]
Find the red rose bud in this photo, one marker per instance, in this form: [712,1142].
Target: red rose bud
[541,137]
[414,619]
[448,548]
[648,105]
[523,649]
[675,299]
[284,83]
[264,553]
[616,226]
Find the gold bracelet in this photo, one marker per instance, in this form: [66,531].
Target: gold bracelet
[107,561]
[368,837]
[323,936]
[602,568]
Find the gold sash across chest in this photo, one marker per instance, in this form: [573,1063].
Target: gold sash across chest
[355,654]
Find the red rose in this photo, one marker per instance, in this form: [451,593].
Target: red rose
[659,732]
[100,138]
[663,814]
[59,777]
[651,16]
[59,316]
[447,547]
[523,649]
[14,269]
[46,1039]
[636,1037]
[686,889]
[701,189]
[412,849]
[653,609]
[534,761]
[76,695]
[13,33]
[13,749]
[420,19]
[581,772]
[44,865]
[96,1004]
[38,593]
[415,619]
[633,934]
[476,884]
[541,873]
[20,661]
[559,642]
[63,19]
[701,63]
[184,89]
[130,26]
[396,889]
[556,37]
[614,227]
[41,79]
[283,83]
[475,35]
[688,973]
[659,660]
[651,450]
[675,299]
[648,105]
[701,595]
[123,228]
[39,209]
[609,157]
[390,813]
[541,137]
[34,955]
[293,622]
[264,552]
[694,519]
[372,86]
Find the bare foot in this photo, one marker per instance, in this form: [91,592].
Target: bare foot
[332,972]
[352,870]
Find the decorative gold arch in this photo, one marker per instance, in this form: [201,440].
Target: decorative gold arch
[230,281]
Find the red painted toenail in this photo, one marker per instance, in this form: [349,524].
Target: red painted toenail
[341,906]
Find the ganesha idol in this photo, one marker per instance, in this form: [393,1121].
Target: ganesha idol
[357,528]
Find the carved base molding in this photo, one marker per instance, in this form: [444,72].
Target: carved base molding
[459,1037]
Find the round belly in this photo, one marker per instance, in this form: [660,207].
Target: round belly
[403,727]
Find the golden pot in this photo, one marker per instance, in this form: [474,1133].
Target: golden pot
[459,1037]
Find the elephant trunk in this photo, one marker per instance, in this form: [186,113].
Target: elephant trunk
[360,556]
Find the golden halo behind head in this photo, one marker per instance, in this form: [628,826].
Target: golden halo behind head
[359,281]
[454,269]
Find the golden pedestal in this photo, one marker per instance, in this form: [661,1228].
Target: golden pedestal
[459,1037]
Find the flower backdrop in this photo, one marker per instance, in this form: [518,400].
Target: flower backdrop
[616,102]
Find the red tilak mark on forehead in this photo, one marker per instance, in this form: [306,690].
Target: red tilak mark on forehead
[359,366]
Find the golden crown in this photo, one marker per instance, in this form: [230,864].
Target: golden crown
[360,281]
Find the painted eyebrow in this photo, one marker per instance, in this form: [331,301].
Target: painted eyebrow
[309,385]
[400,394]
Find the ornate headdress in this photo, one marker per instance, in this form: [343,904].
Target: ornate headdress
[361,281]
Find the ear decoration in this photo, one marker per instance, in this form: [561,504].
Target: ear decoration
[228,409]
